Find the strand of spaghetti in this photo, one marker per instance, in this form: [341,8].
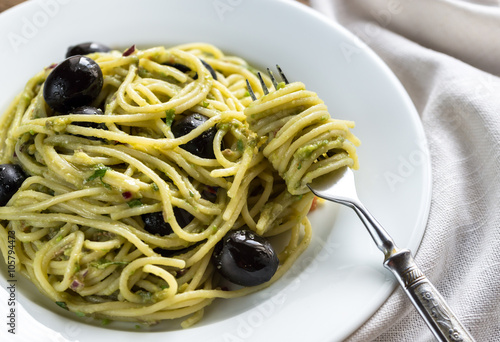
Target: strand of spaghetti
[200,272]
[40,206]
[296,124]
[119,152]
[114,227]
[41,263]
[77,245]
[131,268]
[241,171]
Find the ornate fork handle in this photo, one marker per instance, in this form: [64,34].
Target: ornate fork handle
[425,297]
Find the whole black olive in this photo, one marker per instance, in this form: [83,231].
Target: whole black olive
[155,224]
[11,178]
[75,82]
[86,48]
[245,258]
[202,145]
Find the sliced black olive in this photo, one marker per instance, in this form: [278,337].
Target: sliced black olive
[168,253]
[180,67]
[75,82]
[210,193]
[186,69]
[88,110]
[86,48]
[155,224]
[202,145]
[209,67]
[245,258]
[11,178]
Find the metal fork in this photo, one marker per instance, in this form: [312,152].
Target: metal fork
[339,186]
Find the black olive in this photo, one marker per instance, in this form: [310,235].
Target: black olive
[186,69]
[209,67]
[155,224]
[168,253]
[210,193]
[245,258]
[202,145]
[11,178]
[180,67]
[86,48]
[88,110]
[75,82]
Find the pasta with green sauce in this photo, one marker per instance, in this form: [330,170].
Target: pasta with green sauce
[118,214]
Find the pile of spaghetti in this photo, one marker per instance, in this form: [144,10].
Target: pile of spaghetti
[91,180]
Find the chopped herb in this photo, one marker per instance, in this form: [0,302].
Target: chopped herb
[155,187]
[137,326]
[32,132]
[299,166]
[63,305]
[134,203]
[103,263]
[239,145]
[306,151]
[191,194]
[281,85]
[224,126]
[145,295]
[100,171]
[205,104]
[59,238]
[214,228]
[80,314]
[169,118]
[247,94]
[105,321]
[144,73]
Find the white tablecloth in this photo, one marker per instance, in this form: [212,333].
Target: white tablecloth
[446,53]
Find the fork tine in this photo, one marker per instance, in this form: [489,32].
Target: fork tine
[264,87]
[272,78]
[263,84]
[282,74]
[250,91]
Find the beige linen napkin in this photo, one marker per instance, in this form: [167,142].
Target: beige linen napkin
[446,53]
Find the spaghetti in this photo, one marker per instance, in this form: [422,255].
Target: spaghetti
[78,217]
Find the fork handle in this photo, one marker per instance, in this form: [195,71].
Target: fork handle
[426,298]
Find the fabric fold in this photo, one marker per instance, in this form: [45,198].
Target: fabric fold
[446,55]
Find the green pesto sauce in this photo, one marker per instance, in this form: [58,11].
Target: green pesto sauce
[306,151]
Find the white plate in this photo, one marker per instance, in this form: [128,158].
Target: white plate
[340,281]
